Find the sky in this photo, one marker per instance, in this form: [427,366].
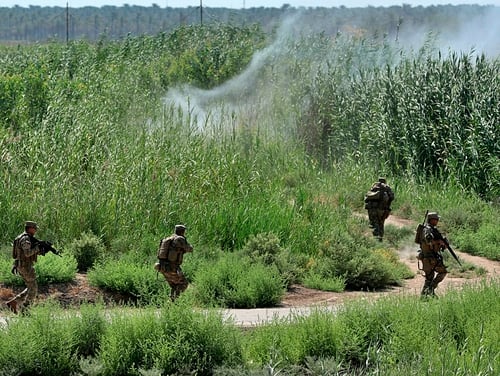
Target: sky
[238,4]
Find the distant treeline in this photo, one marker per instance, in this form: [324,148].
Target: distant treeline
[40,24]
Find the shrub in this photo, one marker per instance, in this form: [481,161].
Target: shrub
[49,269]
[360,268]
[41,344]
[178,340]
[483,242]
[86,250]
[127,277]
[265,248]
[319,282]
[55,269]
[238,283]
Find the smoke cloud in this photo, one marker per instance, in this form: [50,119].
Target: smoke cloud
[474,35]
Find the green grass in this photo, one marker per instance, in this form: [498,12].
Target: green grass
[390,336]
[268,179]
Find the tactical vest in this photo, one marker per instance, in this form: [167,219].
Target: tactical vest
[18,253]
[427,245]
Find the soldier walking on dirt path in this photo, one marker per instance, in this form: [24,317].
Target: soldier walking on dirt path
[25,252]
[431,245]
[378,202]
[170,257]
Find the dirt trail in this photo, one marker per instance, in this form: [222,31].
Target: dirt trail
[299,296]
[79,290]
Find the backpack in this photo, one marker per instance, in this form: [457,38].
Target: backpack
[167,252]
[373,196]
[419,233]
[164,248]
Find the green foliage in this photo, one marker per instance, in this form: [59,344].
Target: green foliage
[390,336]
[317,281]
[485,241]
[237,282]
[88,121]
[345,257]
[87,329]
[86,250]
[207,55]
[54,269]
[266,249]
[49,269]
[177,340]
[136,280]
[40,344]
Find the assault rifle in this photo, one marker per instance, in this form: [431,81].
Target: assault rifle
[45,247]
[452,252]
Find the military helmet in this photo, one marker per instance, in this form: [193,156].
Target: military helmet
[180,228]
[381,179]
[433,215]
[32,224]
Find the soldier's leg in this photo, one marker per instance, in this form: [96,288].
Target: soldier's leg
[178,283]
[428,268]
[372,217]
[28,295]
[440,275]
[380,223]
[17,301]
[32,291]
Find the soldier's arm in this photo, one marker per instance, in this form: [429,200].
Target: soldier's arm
[185,246]
[433,237]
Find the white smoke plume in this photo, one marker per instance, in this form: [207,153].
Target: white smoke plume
[241,94]
[205,103]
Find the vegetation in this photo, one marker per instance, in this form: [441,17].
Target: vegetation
[456,334]
[107,147]
[35,23]
[275,182]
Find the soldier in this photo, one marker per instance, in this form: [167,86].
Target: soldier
[170,256]
[378,203]
[431,245]
[25,253]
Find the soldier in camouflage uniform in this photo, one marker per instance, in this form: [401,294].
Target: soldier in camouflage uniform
[431,245]
[378,203]
[25,253]
[170,257]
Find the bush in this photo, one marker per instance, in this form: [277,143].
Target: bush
[361,268]
[177,341]
[41,344]
[319,282]
[127,277]
[49,269]
[238,283]
[484,242]
[86,250]
[265,248]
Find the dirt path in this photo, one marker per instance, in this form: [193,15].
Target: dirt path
[79,290]
[300,296]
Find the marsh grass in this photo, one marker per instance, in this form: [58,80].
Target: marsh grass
[88,146]
[395,334]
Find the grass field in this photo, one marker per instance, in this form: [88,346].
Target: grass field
[264,145]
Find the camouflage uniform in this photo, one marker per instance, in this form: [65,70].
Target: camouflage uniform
[25,255]
[430,255]
[379,209]
[170,257]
